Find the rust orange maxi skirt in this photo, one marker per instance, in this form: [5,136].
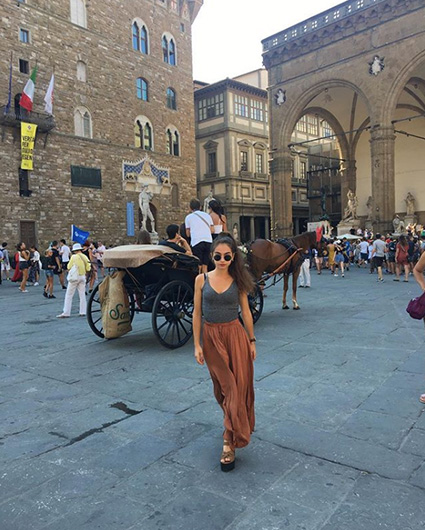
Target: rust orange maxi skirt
[227,353]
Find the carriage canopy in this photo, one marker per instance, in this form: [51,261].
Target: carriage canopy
[132,256]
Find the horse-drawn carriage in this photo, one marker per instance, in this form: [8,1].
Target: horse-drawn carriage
[160,281]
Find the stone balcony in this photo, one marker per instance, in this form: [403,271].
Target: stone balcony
[13,118]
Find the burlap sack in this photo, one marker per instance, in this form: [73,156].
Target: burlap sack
[115,306]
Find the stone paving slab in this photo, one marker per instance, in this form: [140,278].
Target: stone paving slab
[339,433]
[395,507]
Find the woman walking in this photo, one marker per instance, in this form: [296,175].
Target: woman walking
[24,257]
[401,258]
[83,265]
[227,348]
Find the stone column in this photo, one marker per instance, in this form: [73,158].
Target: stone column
[267,227]
[382,144]
[252,227]
[281,204]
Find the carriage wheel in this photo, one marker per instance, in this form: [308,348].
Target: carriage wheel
[172,314]
[256,304]
[94,312]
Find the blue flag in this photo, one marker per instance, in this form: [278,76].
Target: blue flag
[130,219]
[78,235]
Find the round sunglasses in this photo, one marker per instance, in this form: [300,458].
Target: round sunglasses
[217,257]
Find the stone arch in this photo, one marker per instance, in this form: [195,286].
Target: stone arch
[390,104]
[335,124]
[298,109]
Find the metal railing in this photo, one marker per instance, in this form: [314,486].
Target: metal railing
[317,22]
[13,117]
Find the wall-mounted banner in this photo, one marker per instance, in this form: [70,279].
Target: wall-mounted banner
[130,219]
[28,131]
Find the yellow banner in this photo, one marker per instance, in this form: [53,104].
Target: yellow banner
[28,131]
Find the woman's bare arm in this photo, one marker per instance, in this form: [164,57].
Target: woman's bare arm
[197,319]
[248,322]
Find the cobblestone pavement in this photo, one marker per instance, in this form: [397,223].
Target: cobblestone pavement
[125,434]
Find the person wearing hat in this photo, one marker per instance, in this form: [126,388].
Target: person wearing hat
[83,265]
[339,258]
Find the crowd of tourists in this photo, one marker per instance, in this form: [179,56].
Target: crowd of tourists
[396,256]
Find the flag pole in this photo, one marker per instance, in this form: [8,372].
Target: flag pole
[9,98]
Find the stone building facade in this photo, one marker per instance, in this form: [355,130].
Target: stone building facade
[123,70]
[232,151]
[361,67]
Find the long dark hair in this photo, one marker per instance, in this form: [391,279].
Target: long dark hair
[403,241]
[237,269]
[217,209]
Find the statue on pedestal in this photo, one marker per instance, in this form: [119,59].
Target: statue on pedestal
[369,206]
[350,211]
[145,197]
[410,205]
[207,200]
[398,225]
[235,232]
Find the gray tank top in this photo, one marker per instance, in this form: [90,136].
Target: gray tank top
[220,307]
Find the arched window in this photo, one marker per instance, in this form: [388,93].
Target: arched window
[176,144]
[82,123]
[140,36]
[86,125]
[135,36]
[169,146]
[142,89]
[78,12]
[147,143]
[144,44]
[173,142]
[171,99]
[172,52]
[143,133]
[81,71]
[169,49]
[165,48]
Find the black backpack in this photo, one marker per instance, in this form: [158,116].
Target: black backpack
[44,261]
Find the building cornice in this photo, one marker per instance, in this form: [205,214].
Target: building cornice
[232,85]
[194,8]
[342,21]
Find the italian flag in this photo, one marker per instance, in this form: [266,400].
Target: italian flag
[27,98]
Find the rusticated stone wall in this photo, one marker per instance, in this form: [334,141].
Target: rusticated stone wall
[110,96]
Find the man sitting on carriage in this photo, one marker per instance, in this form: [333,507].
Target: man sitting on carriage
[175,240]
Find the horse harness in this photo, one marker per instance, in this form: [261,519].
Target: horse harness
[292,249]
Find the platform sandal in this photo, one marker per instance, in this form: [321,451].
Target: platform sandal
[228,457]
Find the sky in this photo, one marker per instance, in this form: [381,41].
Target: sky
[227,34]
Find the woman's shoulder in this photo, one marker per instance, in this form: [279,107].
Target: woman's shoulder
[200,280]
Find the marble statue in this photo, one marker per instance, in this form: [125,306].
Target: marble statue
[410,204]
[369,206]
[235,232]
[145,197]
[207,200]
[351,208]
[398,225]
